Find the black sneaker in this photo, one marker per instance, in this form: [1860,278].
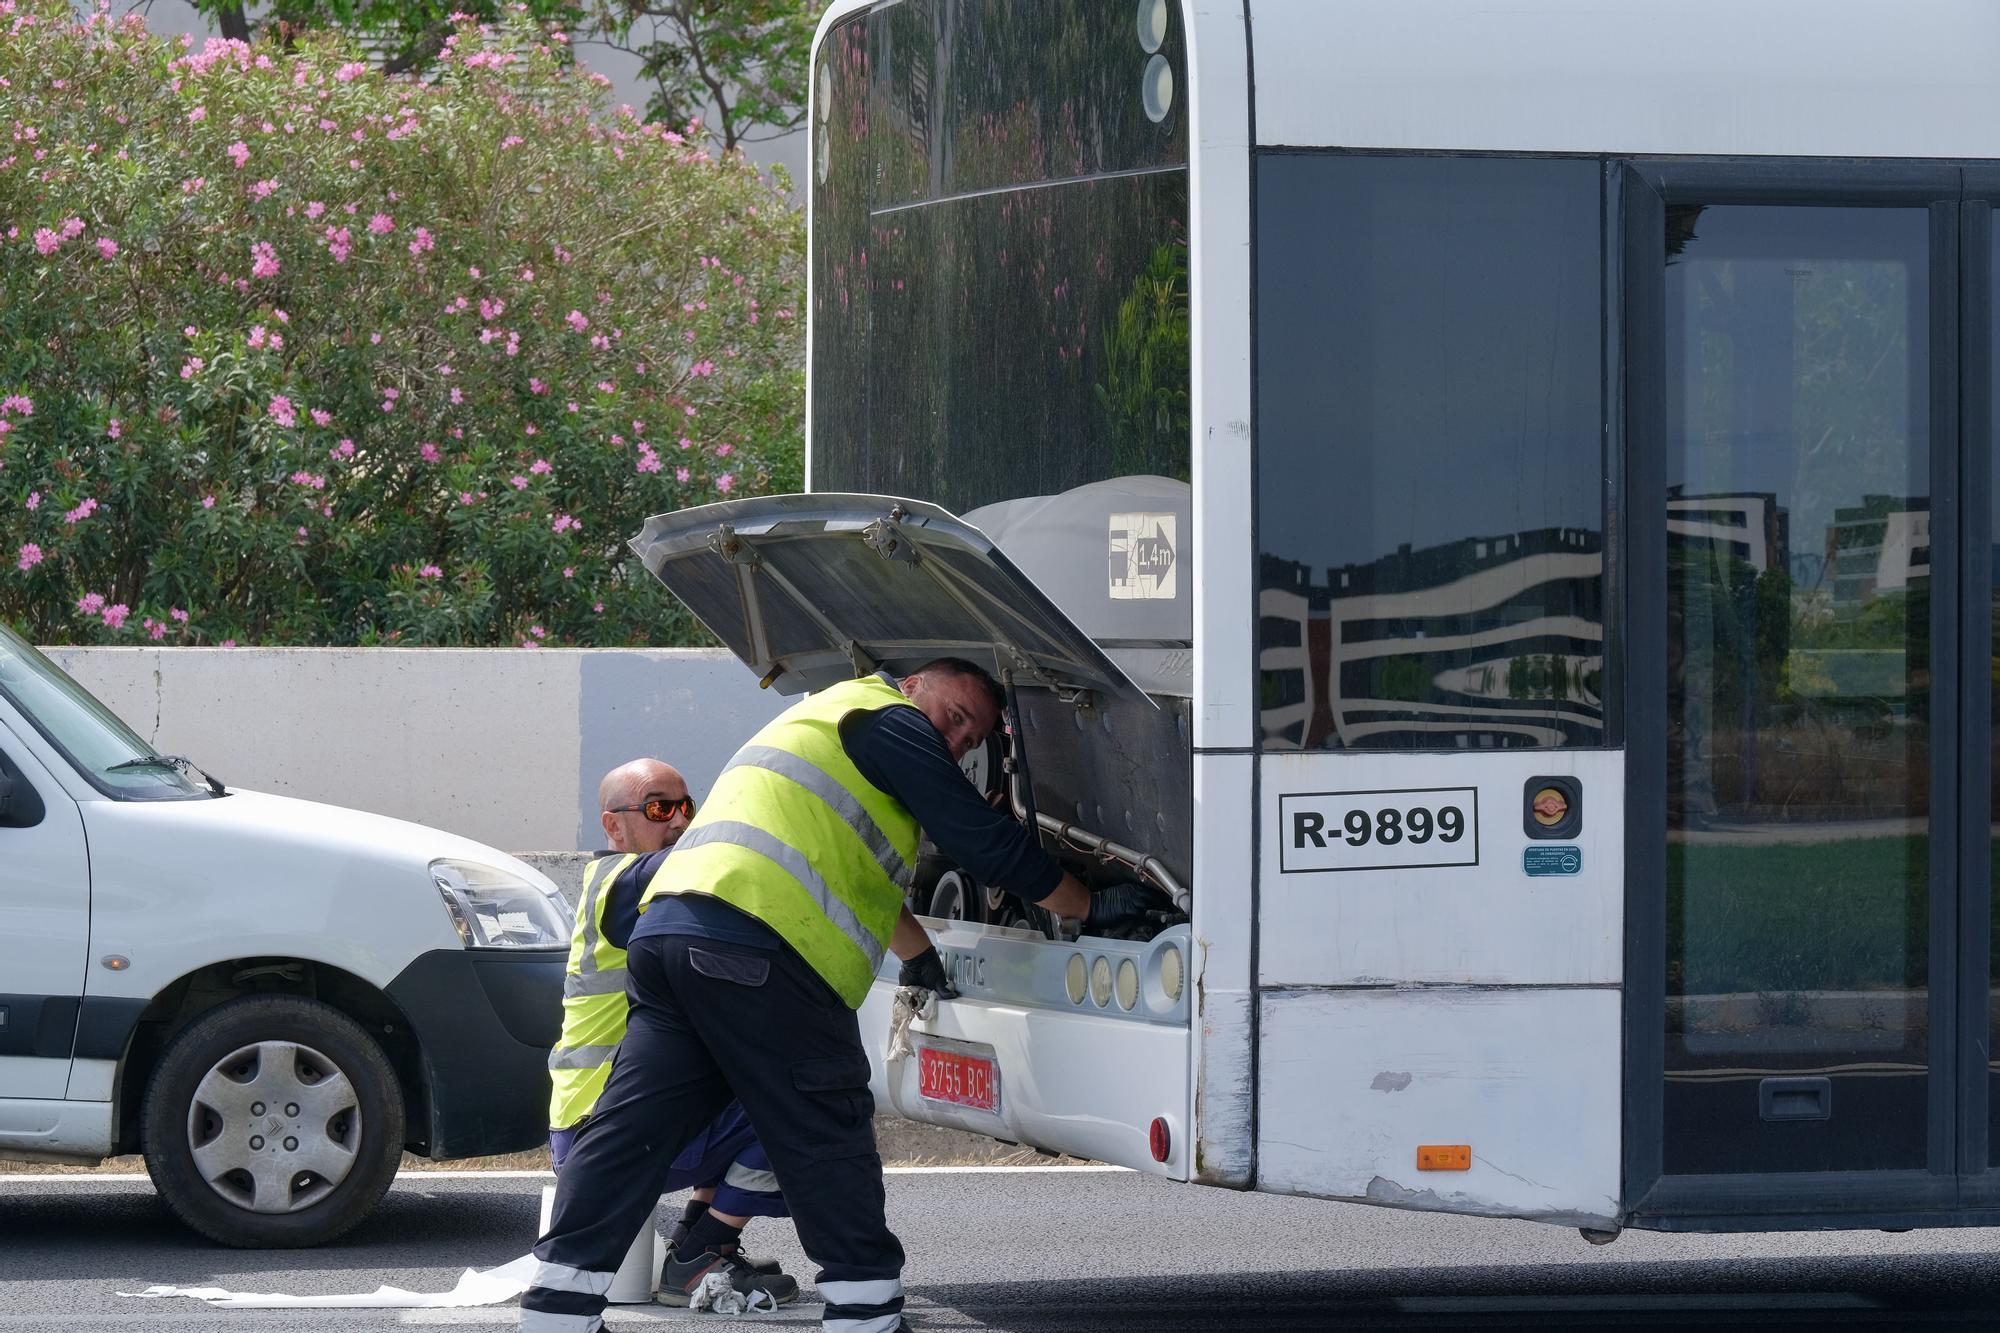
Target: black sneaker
[677,1235]
[680,1276]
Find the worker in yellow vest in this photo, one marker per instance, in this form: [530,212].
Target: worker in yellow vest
[759,938]
[644,808]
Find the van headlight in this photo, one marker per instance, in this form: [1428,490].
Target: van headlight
[497,909]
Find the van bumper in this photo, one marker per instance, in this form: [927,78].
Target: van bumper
[485,1021]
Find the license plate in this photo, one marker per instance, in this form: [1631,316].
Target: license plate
[962,1080]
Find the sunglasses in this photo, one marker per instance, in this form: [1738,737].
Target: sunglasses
[659,809]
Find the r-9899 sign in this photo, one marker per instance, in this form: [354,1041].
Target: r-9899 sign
[1379,830]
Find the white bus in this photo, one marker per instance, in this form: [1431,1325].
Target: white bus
[1490,508]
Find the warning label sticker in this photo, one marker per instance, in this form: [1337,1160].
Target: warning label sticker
[1144,557]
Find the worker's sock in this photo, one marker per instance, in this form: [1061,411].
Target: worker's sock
[708,1234]
[696,1209]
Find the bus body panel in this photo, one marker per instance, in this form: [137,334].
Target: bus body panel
[1807,78]
[1086,1084]
[1354,1082]
[1342,905]
[1219,301]
[1224,1073]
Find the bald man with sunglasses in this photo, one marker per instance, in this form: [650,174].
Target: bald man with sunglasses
[644,808]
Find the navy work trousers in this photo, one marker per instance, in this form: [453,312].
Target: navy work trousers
[711,1021]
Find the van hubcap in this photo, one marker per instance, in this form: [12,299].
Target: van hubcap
[274,1127]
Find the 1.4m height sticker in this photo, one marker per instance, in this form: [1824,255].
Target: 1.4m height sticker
[1408,828]
[1144,558]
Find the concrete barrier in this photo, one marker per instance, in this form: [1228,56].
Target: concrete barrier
[505,745]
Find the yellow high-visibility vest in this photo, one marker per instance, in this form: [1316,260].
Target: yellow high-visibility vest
[794,835]
[594,1004]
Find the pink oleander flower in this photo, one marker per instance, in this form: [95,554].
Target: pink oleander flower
[198,115]
[178,614]
[564,523]
[343,450]
[569,571]
[114,428]
[576,320]
[381,225]
[725,483]
[539,467]
[351,71]
[239,153]
[263,189]
[430,572]
[308,479]
[90,603]
[107,247]
[34,500]
[46,241]
[227,643]
[114,615]
[424,241]
[208,502]
[85,509]
[191,367]
[428,452]
[72,228]
[313,209]
[518,482]
[680,474]
[18,402]
[322,417]
[339,243]
[263,260]
[512,141]
[31,555]
[280,410]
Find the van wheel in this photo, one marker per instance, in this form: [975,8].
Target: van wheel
[272,1122]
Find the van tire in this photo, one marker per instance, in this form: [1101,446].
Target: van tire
[204,1089]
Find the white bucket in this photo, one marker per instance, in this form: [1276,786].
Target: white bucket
[633,1283]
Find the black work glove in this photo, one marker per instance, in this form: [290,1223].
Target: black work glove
[927,970]
[1123,905]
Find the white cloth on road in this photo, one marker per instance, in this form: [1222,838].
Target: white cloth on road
[716,1292]
[475,1287]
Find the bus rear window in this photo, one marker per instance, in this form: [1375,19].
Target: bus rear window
[1429,439]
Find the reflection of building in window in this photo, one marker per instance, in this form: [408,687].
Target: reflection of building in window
[1483,643]
[1751,524]
[1878,546]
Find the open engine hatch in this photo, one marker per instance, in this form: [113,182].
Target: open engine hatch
[810,590]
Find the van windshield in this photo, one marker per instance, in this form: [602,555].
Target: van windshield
[90,735]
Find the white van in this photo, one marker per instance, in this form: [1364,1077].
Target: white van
[271,999]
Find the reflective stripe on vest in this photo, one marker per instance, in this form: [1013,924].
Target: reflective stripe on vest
[793,835]
[594,1004]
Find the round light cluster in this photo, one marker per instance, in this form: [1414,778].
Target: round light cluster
[1156,980]
[1156,84]
[825,100]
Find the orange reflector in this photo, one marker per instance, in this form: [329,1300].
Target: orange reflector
[1444,1157]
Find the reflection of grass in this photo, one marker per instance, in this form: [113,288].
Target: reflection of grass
[1846,915]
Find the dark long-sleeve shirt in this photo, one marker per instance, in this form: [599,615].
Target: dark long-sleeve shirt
[900,752]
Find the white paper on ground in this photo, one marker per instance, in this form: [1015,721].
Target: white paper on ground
[488,1287]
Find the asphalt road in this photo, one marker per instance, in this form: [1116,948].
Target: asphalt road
[1032,1251]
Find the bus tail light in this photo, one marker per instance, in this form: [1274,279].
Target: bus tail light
[1159,1139]
[1444,1157]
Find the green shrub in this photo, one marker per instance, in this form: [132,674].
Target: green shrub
[291,352]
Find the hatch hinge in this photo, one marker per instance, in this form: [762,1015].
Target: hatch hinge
[733,548]
[885,537]
[864,665]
